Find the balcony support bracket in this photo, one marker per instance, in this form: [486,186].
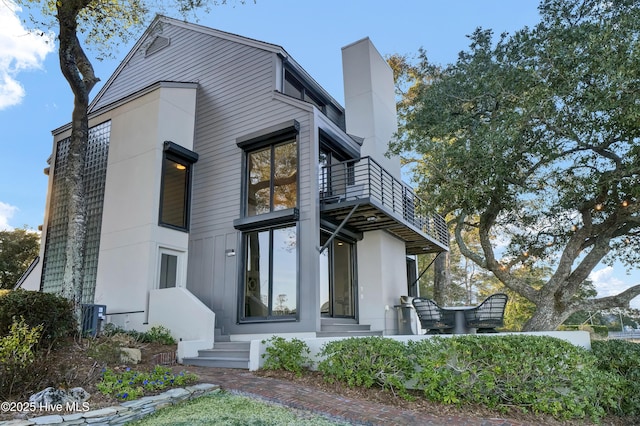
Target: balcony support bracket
[338,229]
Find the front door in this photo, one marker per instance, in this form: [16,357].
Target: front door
[337,291]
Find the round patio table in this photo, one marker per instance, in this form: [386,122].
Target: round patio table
[461,323]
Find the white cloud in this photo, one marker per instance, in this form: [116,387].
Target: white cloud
[607,284]
[6,213]
[20,50]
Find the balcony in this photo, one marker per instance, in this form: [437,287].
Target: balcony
[365,197]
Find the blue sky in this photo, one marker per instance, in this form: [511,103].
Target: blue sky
[313,32]
[35,98]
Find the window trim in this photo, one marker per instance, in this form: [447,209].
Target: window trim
[177,154]
[267,220]
[270,136]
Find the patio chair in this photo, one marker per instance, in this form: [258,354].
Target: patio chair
[488,315]
[433,318]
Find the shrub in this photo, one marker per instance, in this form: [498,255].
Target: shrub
[367,361]
[16,348]
[54,313]
[292,355]
[535,373]
[621,358]
[17,354]
[156,334]
[104,350]
[129,384]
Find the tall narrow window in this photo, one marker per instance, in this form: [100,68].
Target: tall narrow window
[273,178]
[168,270]
[268,288]
[175,193]
[270,283]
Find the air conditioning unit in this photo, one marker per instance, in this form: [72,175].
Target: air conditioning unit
[92,318]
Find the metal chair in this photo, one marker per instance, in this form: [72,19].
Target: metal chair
[433,318]
[488,315]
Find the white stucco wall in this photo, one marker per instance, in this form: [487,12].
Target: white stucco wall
[370,101]
[371,114]
[130,236]
[382,279]
[32,282]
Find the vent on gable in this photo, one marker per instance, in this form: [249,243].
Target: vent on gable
[157,44]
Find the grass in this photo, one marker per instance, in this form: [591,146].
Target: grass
[223,408]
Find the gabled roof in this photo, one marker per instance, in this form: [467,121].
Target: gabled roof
[160,19]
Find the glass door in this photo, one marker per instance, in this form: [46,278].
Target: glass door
[337,291]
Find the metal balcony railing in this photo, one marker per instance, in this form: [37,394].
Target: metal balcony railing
[364,179]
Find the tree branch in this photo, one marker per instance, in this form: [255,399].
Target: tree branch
[618,300]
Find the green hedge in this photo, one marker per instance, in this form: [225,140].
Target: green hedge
[54,313]
[367,361]
[536,374]
[622,359]
[290,355]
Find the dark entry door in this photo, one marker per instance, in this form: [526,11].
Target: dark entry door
[337,291]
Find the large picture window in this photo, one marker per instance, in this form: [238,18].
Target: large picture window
[268,287]
[272,182]
[270,282]
[175,193]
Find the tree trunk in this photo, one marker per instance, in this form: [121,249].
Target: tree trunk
[78,72]
[441,278]
[545,318]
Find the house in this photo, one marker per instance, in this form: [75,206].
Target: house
[229,193]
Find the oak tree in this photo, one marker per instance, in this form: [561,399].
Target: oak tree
[18,248]
[533,141]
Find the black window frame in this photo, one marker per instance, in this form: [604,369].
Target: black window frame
[179,155]
[271,136]
[270,317]
[270,221]
[306,93]
[272,148]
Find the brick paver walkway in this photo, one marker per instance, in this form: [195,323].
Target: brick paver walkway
[354,411]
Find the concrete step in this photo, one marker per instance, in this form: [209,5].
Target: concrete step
[329,320]
[349,333]
[225,353]
[219,337]
[222,355]
[218,362]
[345,327]
[232,345]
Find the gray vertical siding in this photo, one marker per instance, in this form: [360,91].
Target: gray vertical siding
[236,84]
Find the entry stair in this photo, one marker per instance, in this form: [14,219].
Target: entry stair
[228,354]
[338,327]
